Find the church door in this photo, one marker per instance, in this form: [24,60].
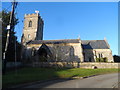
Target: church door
[42,55]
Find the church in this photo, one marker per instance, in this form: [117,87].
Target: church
[35,49]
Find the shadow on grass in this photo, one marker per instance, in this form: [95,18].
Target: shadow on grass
[27,75]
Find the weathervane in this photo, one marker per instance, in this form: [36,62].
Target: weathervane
[36,11]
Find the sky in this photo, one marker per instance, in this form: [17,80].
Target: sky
[71,20]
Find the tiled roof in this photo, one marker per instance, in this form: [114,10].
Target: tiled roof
[86,44]
[54,41]
[94,44]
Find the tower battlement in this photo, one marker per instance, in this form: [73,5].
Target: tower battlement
[31,15]
[33,27]
[34,15]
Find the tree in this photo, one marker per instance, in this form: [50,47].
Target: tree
[10,54]
[0,14]
[116,58]
[5,21]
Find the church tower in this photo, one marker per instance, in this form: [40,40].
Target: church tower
[33,28]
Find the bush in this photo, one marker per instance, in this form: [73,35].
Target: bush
[116,58]
[97,59]
[105,59]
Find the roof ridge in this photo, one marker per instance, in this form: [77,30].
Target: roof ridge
[92,40]
[56,40]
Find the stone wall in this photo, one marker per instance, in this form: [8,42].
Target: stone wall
[75,65]
[54,64]
[99,65]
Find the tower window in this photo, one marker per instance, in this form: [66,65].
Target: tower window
[30,24]
[28,36]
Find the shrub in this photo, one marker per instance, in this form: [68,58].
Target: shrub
[105,59]
[97,59]
[116,58]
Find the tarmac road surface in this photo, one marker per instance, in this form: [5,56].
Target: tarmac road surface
[99,81]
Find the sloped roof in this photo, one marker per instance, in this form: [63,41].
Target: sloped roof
[54,41]
[46,48]
[86,44]
[95,44]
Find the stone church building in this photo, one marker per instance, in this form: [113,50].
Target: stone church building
[67,50]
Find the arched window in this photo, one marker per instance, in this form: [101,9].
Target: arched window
[71,51]
[28,36]
[30,24]
[33,51]
[99,55]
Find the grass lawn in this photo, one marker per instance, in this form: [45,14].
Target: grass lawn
[25,75]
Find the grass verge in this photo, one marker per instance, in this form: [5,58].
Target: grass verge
[25,75]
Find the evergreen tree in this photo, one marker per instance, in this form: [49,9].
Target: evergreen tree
[10,55]
[116,58]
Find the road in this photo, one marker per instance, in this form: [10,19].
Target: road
[99,81]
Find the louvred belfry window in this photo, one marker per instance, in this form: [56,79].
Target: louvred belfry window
[30,24]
